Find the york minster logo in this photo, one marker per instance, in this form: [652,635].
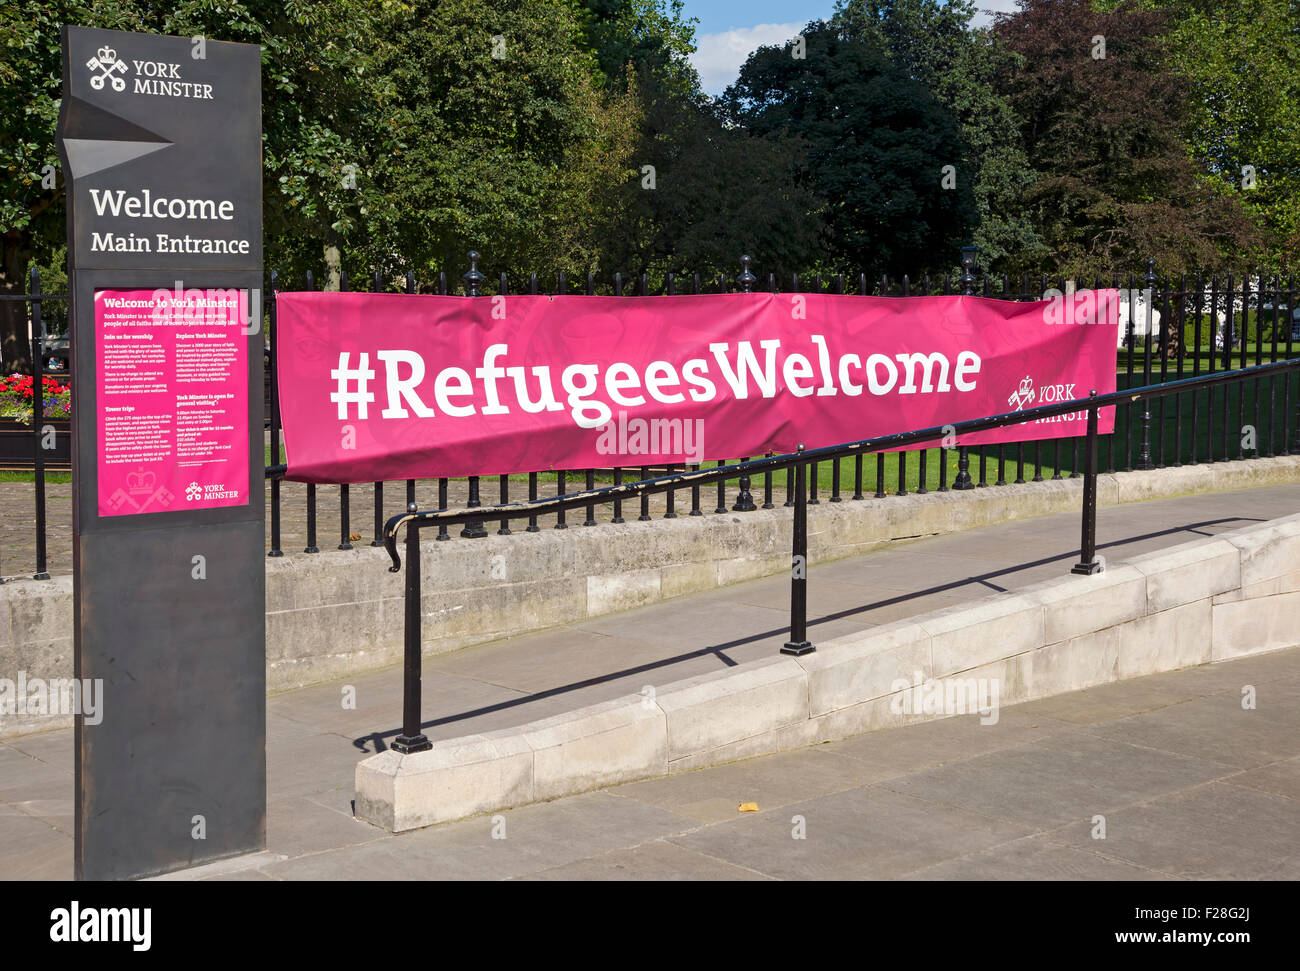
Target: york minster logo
[106,62]
[1022,396]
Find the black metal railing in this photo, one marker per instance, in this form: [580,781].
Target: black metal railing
[1207,327]
[1146,441]
[412,738]
[43,437]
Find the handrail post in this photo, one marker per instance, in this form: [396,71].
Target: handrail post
[1088,563]
[412,739]
[798,643]
[1144,453]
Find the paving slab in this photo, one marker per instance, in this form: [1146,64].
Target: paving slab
[1280,778]
[770,783]
[1211,832]
[1056,780]
[1037,858]
[1216,728]
[656,860]
[947,740]
[505,845]
[869,833]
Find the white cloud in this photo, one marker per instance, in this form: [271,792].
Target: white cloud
[718,57]
[986,8]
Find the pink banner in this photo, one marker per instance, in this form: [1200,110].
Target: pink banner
[172,400]
[394,386]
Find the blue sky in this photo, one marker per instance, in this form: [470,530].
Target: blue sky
[729,30]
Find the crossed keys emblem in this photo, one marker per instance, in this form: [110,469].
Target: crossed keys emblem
[140,492]
[162,496]
[1024,395]
[105,60]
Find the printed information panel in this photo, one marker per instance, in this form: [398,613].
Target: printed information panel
[173,403]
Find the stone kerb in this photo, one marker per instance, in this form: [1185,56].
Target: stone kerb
[1179,607]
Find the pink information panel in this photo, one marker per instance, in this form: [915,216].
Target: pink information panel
[172,400]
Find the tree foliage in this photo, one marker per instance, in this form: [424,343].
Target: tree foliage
[873,144]
[398,134]
[1101,117]
[932,42]
[1240,66]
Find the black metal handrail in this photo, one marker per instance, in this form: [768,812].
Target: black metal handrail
[703,477]
[412,739]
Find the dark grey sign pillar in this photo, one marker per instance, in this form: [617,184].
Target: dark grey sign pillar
[160,139]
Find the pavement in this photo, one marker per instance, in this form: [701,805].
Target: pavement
[1164,777]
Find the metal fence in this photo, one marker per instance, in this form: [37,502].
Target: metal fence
[1141,440]
[1207,326]
[42,437]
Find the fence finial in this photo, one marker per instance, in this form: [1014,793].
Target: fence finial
[473,278]
[967,266]
[746,279]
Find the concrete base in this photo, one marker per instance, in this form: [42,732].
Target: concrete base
[1224,597]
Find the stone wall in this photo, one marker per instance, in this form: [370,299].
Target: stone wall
[335,613]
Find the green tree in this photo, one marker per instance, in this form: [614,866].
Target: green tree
[1101,116]
[1240,64]
[933,43]
[717,192]
[396,135]
[703,194]
[874,142]
[318,91]
[503,139]
[31,190]
[648,35]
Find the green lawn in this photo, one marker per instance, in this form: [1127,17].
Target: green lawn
[1172,428]
[31,476]
[1263,405]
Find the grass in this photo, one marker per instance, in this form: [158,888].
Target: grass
[1172,421]
[576,480]
[50,477]
[1265,405]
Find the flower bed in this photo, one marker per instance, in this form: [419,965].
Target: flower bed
[17,436]
[18,393]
